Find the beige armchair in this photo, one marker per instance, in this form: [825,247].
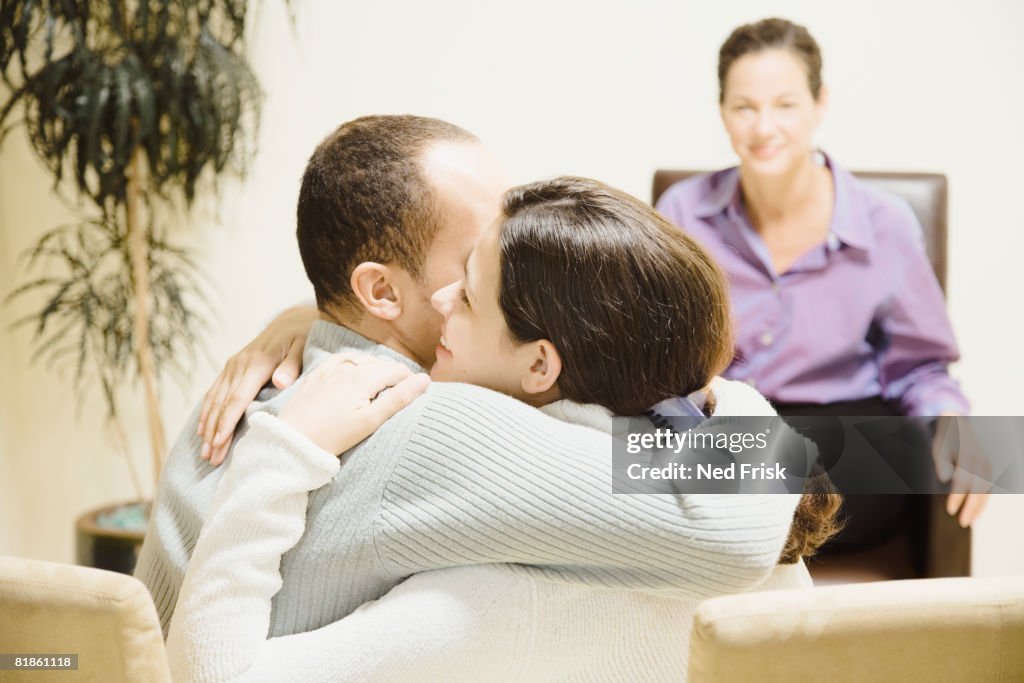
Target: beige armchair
[107,619]
[934,630]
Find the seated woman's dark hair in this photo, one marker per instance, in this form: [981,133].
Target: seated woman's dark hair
[771,34]
[638,310]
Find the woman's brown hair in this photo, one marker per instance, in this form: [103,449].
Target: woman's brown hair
[638,310]
[771,34]
[816,518]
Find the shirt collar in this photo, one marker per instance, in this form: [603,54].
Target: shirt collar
[724,189]
[851,222]
[332,338]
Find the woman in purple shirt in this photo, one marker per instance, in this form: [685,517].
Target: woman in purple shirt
[838,309]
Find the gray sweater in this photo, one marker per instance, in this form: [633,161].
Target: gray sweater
[467,476]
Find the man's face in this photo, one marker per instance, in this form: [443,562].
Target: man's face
[467,181]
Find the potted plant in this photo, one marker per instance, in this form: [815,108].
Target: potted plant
[133,106]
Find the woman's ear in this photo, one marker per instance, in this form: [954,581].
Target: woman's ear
[545,367]
[374,287]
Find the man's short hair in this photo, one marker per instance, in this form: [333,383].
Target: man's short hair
[364,198]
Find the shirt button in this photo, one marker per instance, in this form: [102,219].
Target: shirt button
[767,339]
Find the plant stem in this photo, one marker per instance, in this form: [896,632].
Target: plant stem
[122,444]
[138,257]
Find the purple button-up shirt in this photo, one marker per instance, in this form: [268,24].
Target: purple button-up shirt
[858,316]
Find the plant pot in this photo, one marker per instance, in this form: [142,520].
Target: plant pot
[102,542]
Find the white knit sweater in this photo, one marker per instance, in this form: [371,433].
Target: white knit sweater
[487,622]
[464,476]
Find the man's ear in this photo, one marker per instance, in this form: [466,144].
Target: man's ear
[545,367]
[374,287]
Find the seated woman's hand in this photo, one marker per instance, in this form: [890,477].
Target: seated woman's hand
[348,396]
[275,354]
[960,460]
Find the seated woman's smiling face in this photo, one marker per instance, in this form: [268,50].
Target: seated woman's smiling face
[476,346]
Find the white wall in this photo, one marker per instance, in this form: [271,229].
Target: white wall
[558,87]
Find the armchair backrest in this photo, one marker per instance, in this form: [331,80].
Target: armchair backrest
[107,619]
[962,629]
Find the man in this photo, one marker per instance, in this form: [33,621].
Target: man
[389,208]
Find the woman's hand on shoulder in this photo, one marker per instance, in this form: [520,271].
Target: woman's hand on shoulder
[348,396]
[275,354]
